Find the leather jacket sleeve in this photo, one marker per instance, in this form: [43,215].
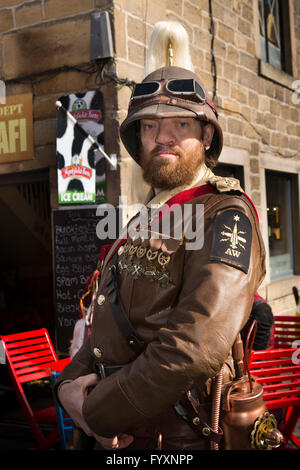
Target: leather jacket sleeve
[213,304]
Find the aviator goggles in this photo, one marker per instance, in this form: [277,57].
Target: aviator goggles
[185,87]
[182,86]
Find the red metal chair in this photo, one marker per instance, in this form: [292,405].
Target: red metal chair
[278,370]
[286,330]
[30,356]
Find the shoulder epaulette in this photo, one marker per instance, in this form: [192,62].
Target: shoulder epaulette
[226,185]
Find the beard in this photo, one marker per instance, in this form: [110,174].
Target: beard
[164,174]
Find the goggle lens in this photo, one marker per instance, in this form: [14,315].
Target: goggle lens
[181,86]
[142,90]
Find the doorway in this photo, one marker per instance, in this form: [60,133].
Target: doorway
[26,291]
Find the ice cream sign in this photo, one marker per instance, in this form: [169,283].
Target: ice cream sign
[79,148]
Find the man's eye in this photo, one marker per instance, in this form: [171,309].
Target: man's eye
[183,124]
[148,126]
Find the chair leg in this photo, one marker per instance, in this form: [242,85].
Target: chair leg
[50,440]
[295,440]
[291,419]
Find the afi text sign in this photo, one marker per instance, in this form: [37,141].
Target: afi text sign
[16,129]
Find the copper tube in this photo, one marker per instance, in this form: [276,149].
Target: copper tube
[216,403]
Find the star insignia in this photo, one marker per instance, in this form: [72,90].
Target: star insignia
[236,218]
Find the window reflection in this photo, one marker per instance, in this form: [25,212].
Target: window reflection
[280,232]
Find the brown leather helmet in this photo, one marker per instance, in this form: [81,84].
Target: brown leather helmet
[170,92]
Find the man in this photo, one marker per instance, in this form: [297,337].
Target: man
[185,303]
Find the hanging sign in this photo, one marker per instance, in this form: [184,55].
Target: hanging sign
[16,129]
[81,168]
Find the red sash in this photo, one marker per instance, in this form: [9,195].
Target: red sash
[180,199]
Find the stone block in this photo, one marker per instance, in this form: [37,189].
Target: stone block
[192,13]
[245,27]
[240,142]
[9,3]
[255,182]
[238,93]
[57,8]
[232,106]
[46,47]
[176,6]
[104,4]
[235,126]
[6,20]
[247,78]
[247,13]
[136,53]
[44,132]
[135,28]
[44,107]
[130,71]
[248,61]
[254,148]
[156,11]
[66,82]
[120,34]
[232,54]
[29,13]
[202,39]
[254,165]
[135,7]
[225,33]
[253,99]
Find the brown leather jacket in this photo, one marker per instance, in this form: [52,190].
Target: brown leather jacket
[188,324]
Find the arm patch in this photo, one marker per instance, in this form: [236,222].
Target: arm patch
[232,237]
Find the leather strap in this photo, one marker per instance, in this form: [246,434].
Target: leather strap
[119,313]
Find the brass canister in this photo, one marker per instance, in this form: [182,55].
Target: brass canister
[242,405]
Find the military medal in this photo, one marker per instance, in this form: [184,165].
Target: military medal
[151,255]
[141,251]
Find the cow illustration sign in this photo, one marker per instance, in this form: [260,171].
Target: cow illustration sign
[80,135]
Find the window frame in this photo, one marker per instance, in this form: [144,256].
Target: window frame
[283,77]
[292,167]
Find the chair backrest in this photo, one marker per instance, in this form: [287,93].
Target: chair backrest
[29,355]
[286,330]
[278,370]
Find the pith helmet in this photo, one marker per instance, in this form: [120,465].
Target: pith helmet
[170,92]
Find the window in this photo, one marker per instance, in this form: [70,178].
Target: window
[275,38]
[279,189]
[231,171]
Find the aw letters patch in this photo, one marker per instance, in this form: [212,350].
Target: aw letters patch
[232,237]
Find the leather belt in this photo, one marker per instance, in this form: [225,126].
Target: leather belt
[104,370]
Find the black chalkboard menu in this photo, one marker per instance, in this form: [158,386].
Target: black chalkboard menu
[76,252]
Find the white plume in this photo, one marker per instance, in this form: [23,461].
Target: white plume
[164,33]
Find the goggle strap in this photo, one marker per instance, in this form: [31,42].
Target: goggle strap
[212,105]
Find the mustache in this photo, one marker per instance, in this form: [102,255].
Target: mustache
[165,148]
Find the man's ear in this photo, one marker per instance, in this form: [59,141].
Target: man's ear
[208,133]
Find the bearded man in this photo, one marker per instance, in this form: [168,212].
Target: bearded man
[167,312]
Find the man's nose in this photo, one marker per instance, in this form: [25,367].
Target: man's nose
[165,134]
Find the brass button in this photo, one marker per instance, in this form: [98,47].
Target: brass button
[196,421]
[101,299]
[121,250]
[98,352]
[206,431]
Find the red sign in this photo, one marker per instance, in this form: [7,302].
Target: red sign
[87,115]
[76,170]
